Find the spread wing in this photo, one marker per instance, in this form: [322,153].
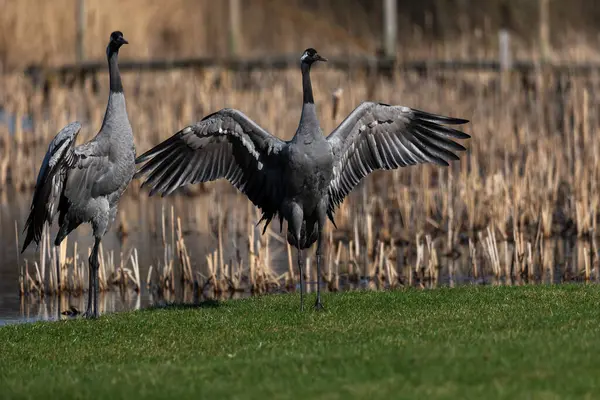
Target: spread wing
[51,177]
[380,136]
[226,144]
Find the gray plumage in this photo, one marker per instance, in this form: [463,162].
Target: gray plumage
[302,180]
[84,183]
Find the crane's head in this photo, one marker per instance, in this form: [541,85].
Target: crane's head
[116,41]
[310,55]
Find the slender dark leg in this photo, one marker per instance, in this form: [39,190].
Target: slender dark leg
[92,303]
[300,269]
[59,289]
[318,304]
[88,309]
[96,282]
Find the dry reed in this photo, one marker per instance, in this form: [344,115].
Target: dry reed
[529,179]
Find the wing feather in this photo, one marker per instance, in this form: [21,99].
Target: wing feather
[226,144]
[50,181]
[380,136]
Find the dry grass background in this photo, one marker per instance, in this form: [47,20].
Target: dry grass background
[37,31]
[530,174]
[43,32]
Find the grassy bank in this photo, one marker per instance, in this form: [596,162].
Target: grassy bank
[524,342]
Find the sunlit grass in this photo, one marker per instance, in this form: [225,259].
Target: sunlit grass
[494,342]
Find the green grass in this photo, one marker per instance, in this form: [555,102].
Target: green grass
[503,342]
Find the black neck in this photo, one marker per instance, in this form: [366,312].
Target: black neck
[306,84]
[113,69]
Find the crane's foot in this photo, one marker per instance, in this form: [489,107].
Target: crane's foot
[89,314]
[319,305]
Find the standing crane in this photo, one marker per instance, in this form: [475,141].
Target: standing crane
[302,180]
[84,183]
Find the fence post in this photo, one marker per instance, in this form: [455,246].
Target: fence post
[234,27]
[544,28]
[506,60]
[80,34]
[390,28]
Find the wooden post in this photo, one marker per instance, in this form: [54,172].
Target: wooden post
[544,28]
[390,28]
[336,97]
[504,51]
[80,34]
[506,61]
[234,27]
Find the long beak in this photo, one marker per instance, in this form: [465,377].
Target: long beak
[319,58]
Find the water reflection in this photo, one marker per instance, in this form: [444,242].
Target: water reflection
[138,227]
[47,308]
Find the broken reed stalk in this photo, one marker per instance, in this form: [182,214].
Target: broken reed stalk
[419,264]
[473,259]
[183,256]
[336,282]
[432,264]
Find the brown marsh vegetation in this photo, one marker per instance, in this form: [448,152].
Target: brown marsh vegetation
[529,177]
[42,32]
[528,181]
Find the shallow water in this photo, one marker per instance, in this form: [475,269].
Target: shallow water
[143,218]
[31,309]
[10,121]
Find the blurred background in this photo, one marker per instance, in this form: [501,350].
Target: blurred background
[46,33]
[520,206]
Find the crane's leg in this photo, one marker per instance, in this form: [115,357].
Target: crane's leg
[300,269]
[88,309]
[96,282]
[58,288]
[295,227]
[93,287]
[318,304]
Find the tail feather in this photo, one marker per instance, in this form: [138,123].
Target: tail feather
[42,211]
[49,184]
